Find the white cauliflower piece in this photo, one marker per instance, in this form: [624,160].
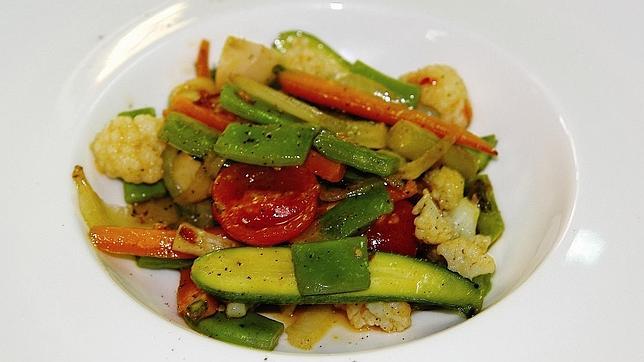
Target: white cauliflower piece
[129,148]
[432,226]
[447,187]
[468,256]
[443,89]
[389,316]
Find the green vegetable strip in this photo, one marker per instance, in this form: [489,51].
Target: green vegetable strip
[354,213]
[356,156]
[251,330]
[188,134]
[332,266]
[148,262]
[143,192]
[364,133]
[135,112]
[289,104]
[259,111]
[490,221]
[406,92]
[265,145]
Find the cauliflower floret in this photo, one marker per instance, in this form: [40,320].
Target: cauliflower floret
[130,149]
[468,256]
[389,316]
[432,226]
[447,186]
[443,89]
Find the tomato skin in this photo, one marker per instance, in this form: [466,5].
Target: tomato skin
[264,206]
[406,191]
[394,232]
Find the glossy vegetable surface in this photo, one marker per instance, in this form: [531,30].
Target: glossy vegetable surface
[266,275]
[332,266]
[394,232]
[135,241]
[334,95]
[262,205]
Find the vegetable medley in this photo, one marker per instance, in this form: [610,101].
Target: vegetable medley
[290,179]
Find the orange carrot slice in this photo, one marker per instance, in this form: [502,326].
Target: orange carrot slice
[135,241]
[332,94]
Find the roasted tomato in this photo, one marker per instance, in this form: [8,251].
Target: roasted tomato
[394,232]
[264,206]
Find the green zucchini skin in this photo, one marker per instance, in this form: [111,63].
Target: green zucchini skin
[266,275]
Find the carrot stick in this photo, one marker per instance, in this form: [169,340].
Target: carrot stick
[325,168]
[209,117]
[135,241]
[331,94]
[192,302]
[201,65]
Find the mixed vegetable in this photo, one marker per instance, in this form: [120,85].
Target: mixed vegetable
[290,179]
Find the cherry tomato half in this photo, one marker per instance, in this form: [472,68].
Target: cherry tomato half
[394,232]
[264,206]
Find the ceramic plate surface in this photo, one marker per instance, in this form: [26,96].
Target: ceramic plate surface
[564,108]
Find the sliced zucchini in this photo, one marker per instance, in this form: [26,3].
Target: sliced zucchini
[412,141]
[266,275]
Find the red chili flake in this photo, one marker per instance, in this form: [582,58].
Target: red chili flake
[188,234]
[427,80]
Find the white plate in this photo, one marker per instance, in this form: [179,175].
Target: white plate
[556,85]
